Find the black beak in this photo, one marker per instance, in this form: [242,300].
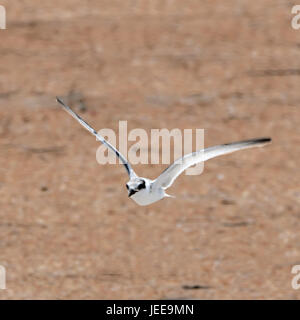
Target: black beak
[131,192]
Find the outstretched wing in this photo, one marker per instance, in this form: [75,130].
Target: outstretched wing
[98,137]
[168,176]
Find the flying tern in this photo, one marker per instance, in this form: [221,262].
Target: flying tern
[145,191]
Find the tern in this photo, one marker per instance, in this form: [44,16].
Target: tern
[145,191]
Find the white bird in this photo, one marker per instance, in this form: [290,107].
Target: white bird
[145,191]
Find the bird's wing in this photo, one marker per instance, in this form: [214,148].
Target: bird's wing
[98,137]
[168,176]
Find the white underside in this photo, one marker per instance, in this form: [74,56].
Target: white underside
[146,197]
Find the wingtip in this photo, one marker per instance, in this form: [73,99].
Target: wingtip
[264,140]
[252,142]
[259,141]
[60,101]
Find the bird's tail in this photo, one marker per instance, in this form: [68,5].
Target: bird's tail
[169,196]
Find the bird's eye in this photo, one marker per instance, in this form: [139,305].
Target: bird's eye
[127,186]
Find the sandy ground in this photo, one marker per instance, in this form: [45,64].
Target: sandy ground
[67,228]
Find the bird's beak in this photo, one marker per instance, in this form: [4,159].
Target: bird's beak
[131,192]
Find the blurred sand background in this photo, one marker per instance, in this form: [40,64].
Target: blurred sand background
[67,228]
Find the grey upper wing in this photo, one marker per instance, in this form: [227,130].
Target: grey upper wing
[166,179]
[128,167]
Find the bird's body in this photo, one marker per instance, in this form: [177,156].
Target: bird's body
[145,191]
[145,195]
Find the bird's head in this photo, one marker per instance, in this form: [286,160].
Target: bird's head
[134,186]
